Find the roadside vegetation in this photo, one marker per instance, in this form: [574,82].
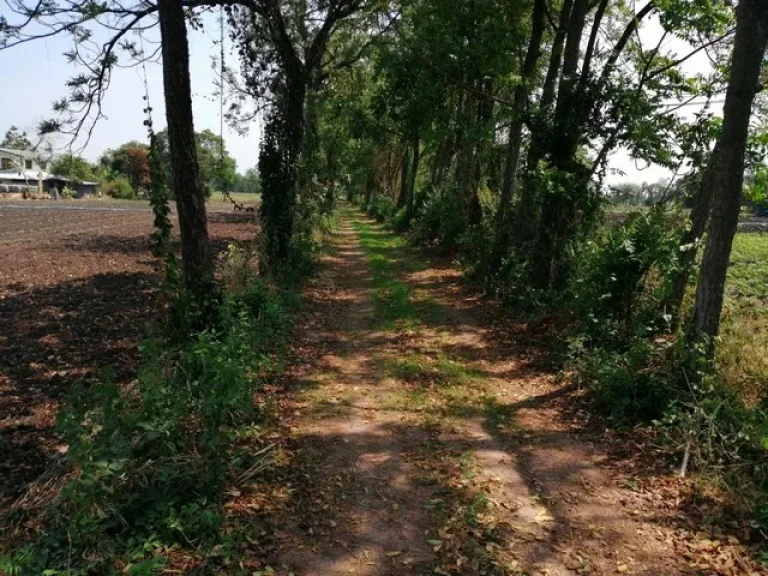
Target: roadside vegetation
[482,130]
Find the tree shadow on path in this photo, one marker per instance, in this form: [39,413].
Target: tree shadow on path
[474,474]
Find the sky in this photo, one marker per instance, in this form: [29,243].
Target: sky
[37,72]
[33,75]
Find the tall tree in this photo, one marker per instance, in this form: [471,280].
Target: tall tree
[187,185]
[727,179]
[285,50]
[515,136]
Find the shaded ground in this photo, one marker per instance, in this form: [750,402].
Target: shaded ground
[428,439]
[77,290]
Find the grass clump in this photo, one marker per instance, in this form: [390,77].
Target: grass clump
[426,371]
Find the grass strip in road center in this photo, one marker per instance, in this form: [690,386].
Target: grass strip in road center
[395,308]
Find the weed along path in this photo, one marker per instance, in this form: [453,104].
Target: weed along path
[426,439]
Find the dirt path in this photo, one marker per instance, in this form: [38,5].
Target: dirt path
[428,440]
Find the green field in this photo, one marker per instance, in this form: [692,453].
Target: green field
[743,355]
[237,197]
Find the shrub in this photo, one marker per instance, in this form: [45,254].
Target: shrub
[623,279]
[151,460]
[440,219]
[382,208]
[636,385]
[119,188]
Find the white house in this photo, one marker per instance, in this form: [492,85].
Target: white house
[24,174]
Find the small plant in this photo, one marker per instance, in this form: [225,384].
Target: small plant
[623,279]
[439,220]
[150,460]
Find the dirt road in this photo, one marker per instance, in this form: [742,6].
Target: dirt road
[429,439]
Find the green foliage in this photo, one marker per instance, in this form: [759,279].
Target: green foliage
[16,139]
[439,220]
[639,373]
[119,188]
[74,168]
[623,278]
[631,386]
[247,183]
[382,208]
[218,170]
[129,161]
[151,460]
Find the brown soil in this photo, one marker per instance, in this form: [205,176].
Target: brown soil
[77,292]
[468,464]
[406,473]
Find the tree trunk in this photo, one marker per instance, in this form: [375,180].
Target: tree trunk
[187,185]
[279,167]
[559,209]
[520,104]
[548,94]
[466,162]
[549,89]
[697,225]
[727,180]
[402,198]
[526,213]
[411,199]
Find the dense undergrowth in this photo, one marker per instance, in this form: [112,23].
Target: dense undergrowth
[620,341]
[151,462]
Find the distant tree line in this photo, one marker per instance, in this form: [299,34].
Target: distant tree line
[124,172]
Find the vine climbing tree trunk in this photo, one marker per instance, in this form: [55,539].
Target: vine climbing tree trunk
[187,185]
[279,167]
[727,179]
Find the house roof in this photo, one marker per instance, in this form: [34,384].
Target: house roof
[23,175]
[32,176]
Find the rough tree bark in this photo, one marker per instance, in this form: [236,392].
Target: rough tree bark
[526,211]
[549,88]
[465,166]
[515,138]
[728,178]
[187,185]
[279,164]
[558,210]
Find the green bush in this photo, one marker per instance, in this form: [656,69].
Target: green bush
[636,385]
[151,460]
[119,188]
[440,219]
[623,279]
[382,208]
